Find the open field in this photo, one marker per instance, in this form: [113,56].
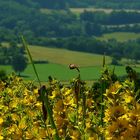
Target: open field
[59,59]
[49,11]
[78,11]
[92,9]
[57,71]
[63,73]
[120,36]
[66,57]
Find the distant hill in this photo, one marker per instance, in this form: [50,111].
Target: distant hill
[25,17]
[62,28]
[63,4]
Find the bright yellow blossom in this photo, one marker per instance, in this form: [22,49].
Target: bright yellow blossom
[1,137]
[1,120]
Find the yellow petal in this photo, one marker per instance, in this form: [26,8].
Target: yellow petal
[1,120]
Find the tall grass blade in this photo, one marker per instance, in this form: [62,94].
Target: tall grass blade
[104,60]
[45,100]
[29,54]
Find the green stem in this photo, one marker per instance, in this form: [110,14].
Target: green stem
[43,93]
[50,113]
[29,54]
[84,112]
[102,100]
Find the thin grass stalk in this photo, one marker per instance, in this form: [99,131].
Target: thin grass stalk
[77,92]
[104,60]
[102,100]
[43,93]
[102,97]
[31,60]
[102,92]
[84,112]
[50,113]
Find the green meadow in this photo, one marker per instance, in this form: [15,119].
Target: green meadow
[78,11]
[66,57]
[57,71]
[58,62]
[63,73]
[90,64]
[120,36]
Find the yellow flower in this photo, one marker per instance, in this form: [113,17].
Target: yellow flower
[1,137]
[118,128]
[113,113]
[22,123]
[80,109]
[125,116]
[42,133]
[92,138]
[68,92]
[14,103]
[28,135]
[31,99]
[2,85]
[15,117]
[54,94]
[18,134]
[113,90]
[26,92]
[53,132]
[38,104]
[35,91]
[75,134]
[88,125]
[12,129]
[1,120]
[128,98]
[9,90]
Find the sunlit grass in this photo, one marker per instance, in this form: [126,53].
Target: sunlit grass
[93,9]
[66,57]
[63,73]
[120,36]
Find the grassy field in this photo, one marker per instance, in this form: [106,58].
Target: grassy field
[49,11]
[120,36]
[66,57]
[57,71]
[63,73]
[59,59]
[92,9]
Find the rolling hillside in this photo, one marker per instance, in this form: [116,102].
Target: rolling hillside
[65,57]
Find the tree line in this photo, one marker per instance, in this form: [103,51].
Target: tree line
[63,4]
[112,47]
[65,29]
[13,55]
[17,19]
[117,50]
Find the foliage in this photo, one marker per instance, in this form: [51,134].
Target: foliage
[57,23]
[19,63]
[121,113]
[7,52]
[78,111]
[62,28]
[82,3]
[2,75]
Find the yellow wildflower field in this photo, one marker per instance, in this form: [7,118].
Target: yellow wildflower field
[109,110]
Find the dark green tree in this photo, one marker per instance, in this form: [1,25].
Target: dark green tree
[2,75]
[136,54]
[19,63]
